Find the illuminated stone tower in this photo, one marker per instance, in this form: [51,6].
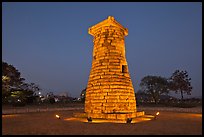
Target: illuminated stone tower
[110,93]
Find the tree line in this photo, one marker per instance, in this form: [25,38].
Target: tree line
[155,86]
[14,87]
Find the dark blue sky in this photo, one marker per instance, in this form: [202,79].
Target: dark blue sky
[50,45]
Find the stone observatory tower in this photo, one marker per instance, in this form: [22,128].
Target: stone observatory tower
[110,93]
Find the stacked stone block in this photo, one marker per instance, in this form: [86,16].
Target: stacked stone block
[109,91]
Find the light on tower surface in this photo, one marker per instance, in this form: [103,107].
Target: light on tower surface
[109,92]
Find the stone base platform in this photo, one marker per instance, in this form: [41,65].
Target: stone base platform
[113,117]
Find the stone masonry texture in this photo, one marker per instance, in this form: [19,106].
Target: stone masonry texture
[109,88]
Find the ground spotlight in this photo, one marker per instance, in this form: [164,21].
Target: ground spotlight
[129,120]
[156,115]
[89,119]
[57,116]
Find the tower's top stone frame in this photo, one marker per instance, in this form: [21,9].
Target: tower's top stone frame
[108,22]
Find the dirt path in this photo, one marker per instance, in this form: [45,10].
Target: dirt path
[45,123]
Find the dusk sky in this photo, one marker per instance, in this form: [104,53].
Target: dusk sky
[50,45]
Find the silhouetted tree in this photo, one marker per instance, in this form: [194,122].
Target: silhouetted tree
[11,79]
[30,91]
[179,82]
[51,97]
[13,85]
[155,86]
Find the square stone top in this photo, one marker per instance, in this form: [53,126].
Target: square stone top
[110,21]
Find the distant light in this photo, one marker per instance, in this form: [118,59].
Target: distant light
[39,93]
[57,116]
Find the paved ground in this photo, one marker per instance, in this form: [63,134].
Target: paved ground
[45,123]
[80,106]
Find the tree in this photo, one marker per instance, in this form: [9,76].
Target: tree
[179,82]
[51,97]
[10,73]
[11,79]
[141,97]
[14,87]
[5,87]
[30,91]
[155,86]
